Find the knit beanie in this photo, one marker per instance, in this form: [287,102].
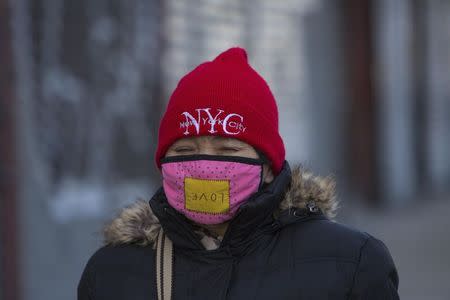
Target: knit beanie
[224,97]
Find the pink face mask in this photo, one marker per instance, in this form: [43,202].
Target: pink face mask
[209,189]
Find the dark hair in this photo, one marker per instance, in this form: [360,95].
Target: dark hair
[263,157]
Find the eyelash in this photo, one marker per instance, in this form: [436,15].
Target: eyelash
[229,149]
[224,149]
[183,149]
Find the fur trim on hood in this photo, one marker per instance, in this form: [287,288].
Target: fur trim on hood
[137,224]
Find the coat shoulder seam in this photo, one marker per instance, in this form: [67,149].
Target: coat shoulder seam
[357,269]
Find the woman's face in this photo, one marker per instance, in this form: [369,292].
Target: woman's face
[216,145]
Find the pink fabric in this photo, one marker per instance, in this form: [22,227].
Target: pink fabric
[244,181]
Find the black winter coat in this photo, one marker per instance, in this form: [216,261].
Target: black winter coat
[279,246]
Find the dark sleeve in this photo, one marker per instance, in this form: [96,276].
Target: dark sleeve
[376,277]
[86,283]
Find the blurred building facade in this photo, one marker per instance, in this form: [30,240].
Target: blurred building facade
[362,88]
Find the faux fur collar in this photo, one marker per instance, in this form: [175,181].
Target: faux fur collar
[136,223]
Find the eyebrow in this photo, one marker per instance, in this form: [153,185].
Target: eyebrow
[234,142]
[220,138]
[213,138]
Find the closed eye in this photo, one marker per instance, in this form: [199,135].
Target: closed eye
[230,149]
[183,149]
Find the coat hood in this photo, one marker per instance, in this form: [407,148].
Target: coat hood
[137,224]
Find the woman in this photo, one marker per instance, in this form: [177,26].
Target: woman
[231,221]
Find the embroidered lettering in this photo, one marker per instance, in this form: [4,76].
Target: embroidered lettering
[231,123]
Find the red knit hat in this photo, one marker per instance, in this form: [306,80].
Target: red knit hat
[225,97]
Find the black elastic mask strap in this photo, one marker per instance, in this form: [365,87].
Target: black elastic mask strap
[241,159]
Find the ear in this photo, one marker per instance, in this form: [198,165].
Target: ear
[267,174]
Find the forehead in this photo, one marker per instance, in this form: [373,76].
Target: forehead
[211,140]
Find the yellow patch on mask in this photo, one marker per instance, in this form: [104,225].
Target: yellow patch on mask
[207,195]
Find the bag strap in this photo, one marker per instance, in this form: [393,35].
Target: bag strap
[164,266]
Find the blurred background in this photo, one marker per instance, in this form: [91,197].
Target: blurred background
[363,89]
